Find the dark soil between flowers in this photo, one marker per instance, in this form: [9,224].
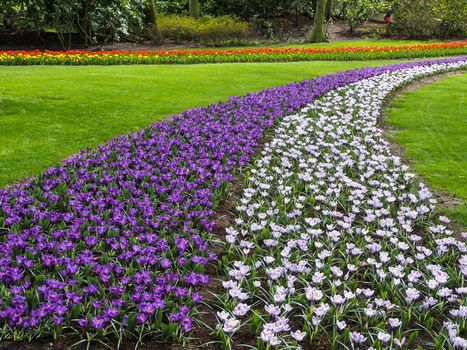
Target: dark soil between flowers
[67,344]
[444,199]
[224,216]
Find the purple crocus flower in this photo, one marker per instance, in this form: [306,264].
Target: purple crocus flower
[98,322]
[196,297]
[82,322]
[141,317]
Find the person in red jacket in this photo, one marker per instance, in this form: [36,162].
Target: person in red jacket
[387,18]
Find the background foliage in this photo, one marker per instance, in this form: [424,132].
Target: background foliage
[430,18]
[94,20]
[97,21]
[358,11]
[212,31]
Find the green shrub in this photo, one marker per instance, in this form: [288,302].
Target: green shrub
[212,31]
[454,18]
[356,12]
[176,28]
[430,18]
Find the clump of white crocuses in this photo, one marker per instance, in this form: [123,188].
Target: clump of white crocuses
[335,239]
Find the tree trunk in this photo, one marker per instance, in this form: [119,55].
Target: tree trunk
[317,33]
[194,9]
[329,9]
[155,30]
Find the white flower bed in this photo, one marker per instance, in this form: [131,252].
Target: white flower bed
[336,244]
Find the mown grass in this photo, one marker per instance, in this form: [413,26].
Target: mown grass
[330,45]
[367,42]
[432,128]
[48,113]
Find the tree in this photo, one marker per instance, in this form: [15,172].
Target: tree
[317,33]
[194,9]
[329,9]
[153,9]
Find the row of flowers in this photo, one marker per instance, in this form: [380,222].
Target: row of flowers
[335,244]
[81,57]
[116,240]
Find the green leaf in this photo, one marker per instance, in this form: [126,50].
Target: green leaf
[39,280]
[131,322]
[413,336]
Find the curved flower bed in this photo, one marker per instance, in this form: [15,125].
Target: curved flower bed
[335,244]
[115,240]
[81,57]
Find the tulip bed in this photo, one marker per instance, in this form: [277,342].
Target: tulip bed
[81,57]
[335,244]
[114,242]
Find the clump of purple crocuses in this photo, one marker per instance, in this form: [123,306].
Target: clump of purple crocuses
[118,237]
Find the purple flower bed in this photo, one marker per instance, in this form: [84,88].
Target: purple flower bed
[118,237]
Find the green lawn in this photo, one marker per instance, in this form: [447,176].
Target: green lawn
[48,113]
[367,42]
[433,131]
[329,45]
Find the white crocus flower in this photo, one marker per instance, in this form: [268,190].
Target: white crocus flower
[298,335]
[231,325]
